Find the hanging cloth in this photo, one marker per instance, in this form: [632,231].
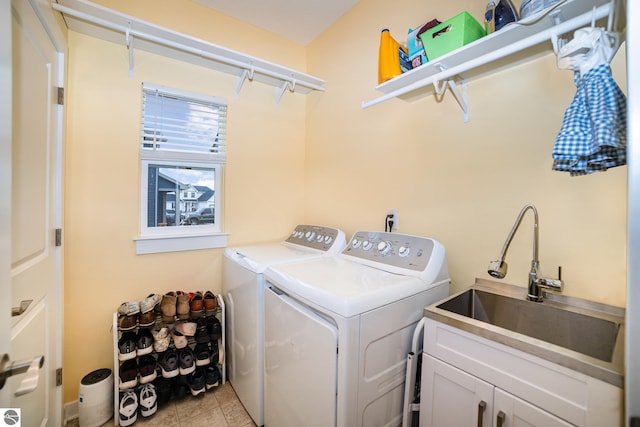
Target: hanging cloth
[593,136]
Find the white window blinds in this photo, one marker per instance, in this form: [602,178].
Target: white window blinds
[181,125]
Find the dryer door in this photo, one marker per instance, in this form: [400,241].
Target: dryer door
[301,364]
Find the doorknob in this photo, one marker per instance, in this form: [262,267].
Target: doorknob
[30,366]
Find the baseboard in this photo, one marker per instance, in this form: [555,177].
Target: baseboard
[70,411]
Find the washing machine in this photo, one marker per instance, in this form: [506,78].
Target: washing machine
[338,330]
[242,284]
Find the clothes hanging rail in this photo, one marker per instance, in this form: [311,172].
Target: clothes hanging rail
[98,21]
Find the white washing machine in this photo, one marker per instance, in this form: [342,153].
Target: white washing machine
[338,330]
[242,284]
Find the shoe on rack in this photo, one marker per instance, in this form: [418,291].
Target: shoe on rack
[161,339]
[179,339]
[127,322]
[147,366]
[196,304]
[163,390]
[179,387]
[216,358]
[202,332]
[186,361]
[127,346]
[128,374]
[128,408]
[186,328]
[182,305]
[148,401]
[144,343]
[147,319]
[212,376]
[210,303]
[168,307]
[203,354]
[129,308]
[168,362]
[214,327]
[196,382]
[150,303]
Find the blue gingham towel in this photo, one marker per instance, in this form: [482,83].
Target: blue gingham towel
[593,136]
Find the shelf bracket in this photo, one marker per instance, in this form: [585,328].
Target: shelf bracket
[246,74]
[287,84]
[461,96]
[129,42]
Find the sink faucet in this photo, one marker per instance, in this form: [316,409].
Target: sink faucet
[498,268]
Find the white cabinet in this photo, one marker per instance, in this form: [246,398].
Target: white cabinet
[451,398]
[471,381]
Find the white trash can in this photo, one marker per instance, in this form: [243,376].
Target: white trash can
[95,398]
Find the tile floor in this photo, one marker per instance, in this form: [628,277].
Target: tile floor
[218,407]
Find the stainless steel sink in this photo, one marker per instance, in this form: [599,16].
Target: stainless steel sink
[592,336]
[582,335]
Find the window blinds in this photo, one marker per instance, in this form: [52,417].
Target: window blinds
[176,122]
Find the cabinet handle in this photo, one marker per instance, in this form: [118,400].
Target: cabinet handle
[481,406]
[500,418]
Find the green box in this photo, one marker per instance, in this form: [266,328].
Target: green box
[451,35]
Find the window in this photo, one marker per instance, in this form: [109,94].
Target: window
[182,154]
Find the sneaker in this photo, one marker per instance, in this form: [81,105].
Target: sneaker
[128,410]
[168,307]
[210,303]
[179,340]
[216,356]
[147,366]
[144,343]
[212,376]
[128,374]
[186,328]
[196,382]
[182,305]
[163,390]
[149,303]
[129,308]
[127,346]
[203,354]
[161,339]
[187,361]
[196,304]
[214,327]
[169,363]
[147,319]
[179,388]
[128,322]
[148,400]
[202,332]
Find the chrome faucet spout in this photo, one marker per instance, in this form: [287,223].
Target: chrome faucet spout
[498,268]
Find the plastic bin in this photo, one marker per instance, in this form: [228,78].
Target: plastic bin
[451,35]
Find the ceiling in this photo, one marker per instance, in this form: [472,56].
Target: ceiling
[297,20]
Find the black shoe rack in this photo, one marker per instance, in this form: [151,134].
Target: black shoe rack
[117,333]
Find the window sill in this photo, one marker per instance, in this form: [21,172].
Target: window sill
[176,243]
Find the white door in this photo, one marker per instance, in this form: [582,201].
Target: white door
[511,411]
[30,157]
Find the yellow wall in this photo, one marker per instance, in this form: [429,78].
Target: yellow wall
[263,183]
[322,159]
[462,183]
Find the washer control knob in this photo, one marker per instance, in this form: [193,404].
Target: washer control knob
[328,239]
[356,243]
[320,238]
[366,245]
[310,235]
[404,251]
[384,247]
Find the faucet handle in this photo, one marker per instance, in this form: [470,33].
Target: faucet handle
[553,284]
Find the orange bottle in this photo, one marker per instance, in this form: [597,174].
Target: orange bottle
[388,57]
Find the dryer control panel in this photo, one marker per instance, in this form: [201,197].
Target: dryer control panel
[318,237]
[392,251]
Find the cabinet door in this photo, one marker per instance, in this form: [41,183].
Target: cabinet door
[511,411]
[450,397]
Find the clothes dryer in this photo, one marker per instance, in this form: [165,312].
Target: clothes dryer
[242,283]
[338,329]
